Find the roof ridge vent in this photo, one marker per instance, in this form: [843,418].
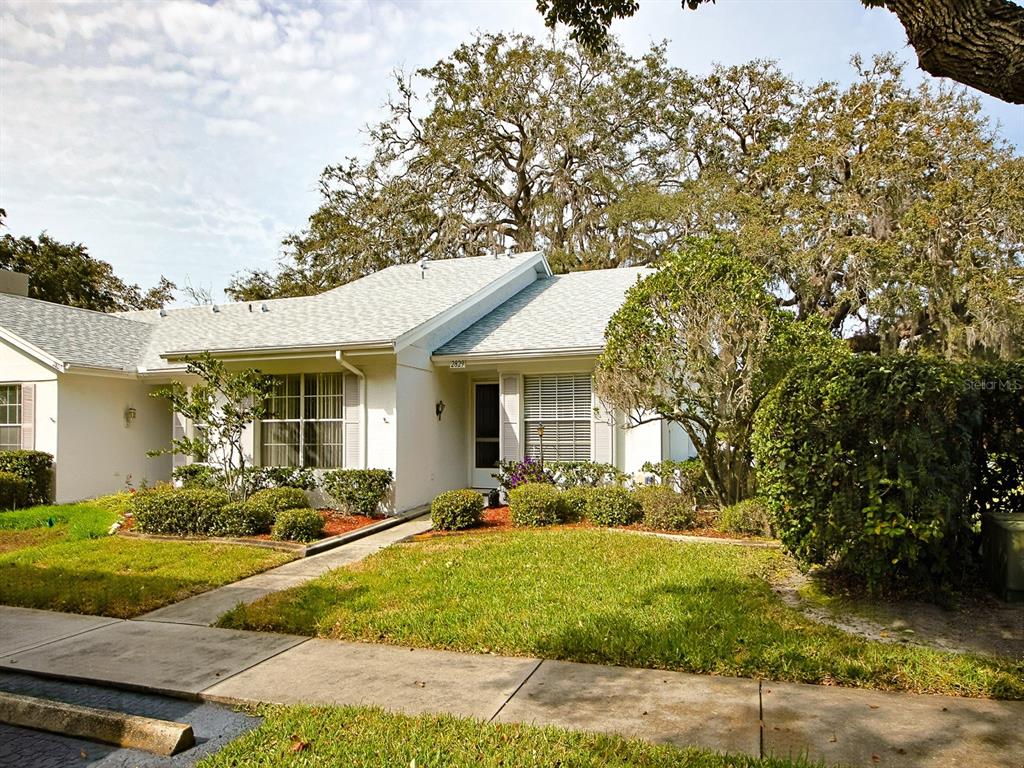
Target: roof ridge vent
[163,312]
[423,266]
[215,309]
[264,307]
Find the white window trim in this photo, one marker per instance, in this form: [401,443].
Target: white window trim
[302,421]
[526,421]
[21,416]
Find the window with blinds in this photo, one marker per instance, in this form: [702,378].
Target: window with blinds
[10,417]
[305,422]
[562,404]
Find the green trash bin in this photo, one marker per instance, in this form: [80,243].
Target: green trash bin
[1002,541]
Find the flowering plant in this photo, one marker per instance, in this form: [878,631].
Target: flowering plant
[511,474]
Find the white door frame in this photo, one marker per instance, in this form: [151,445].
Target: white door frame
[480,478]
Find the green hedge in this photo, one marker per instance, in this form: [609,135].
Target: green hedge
[198,476]
[35,467]
[748,516]
[574,503]
[242,518]
[15,491]
[361,491]
[275,500]
[665,509]
[688,476]
[455,510]
[880,465]
[299,525]
[613,506]
[178,511]
[535,504]
[574,474]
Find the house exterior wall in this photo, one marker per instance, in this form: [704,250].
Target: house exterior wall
[97,451]
[18,368]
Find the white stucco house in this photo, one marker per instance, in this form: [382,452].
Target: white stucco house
[435,371]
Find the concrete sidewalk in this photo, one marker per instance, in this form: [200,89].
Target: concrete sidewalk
[835,725]
[206,608]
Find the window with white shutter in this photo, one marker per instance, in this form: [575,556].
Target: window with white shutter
[563,405]
[10,417]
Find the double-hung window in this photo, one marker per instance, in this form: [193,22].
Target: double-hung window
[10,417]
[305,422]
[562,404]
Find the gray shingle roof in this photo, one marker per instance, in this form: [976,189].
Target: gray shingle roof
[559,313]
[378,308]
[75,336]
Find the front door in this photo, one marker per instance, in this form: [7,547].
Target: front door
[485,434]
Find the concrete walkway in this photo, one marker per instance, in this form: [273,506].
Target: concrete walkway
[206,608]
[835,725]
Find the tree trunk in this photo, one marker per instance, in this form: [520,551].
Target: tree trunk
[976,42]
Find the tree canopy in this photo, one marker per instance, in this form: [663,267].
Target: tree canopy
[65,273]
[979,43]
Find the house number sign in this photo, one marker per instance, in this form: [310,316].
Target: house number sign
[456,364]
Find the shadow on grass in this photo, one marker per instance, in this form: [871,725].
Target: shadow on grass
[304,610]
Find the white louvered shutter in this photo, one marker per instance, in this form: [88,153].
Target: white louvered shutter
[353,422]
[28,417]
[604,432]
[178,432]
[511,443]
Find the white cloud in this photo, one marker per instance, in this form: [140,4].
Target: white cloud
[224,126]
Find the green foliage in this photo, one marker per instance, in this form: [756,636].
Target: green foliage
[748,516]
[178,511]
[35,467]
[512,474]
[14,491]
[665,509]
[258,478]
[574,503]
[65,273]
[299,525]
[879,466]
[535,504]
[701,342]
[226,403]
[613,506]
[570,474]
[361,491]
[198,476]
[275,500]
[687,476]
[242,518]
[455,510]
[73,521]
[118,503]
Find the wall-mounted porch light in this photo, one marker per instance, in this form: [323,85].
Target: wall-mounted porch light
[540,435]
[439,407]
[129,415]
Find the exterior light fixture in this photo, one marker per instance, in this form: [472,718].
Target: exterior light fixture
[540,435]
[129,415]
[439,407]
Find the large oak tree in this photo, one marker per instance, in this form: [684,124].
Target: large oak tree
[979,43]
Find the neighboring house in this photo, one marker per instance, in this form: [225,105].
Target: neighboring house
[434,370]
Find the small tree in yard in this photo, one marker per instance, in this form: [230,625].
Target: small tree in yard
[225,403]
[701,343]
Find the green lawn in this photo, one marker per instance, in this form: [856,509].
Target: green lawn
[336,737]
[609,598]
[59,558]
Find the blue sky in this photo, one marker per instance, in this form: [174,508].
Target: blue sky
[186,138]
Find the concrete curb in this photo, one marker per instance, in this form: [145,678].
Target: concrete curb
[368,530]
[161,737]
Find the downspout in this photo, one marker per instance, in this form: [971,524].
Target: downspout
[340,357]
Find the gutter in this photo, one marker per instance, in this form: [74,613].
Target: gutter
[270,352]
[339,355]
[520,354]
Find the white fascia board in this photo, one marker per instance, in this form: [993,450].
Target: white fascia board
[490,358]
[32,350]
[273,353]
[532,260]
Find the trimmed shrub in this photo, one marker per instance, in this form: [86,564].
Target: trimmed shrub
[512,474]
[455,510]
[879,466]
[664,509]
[35,468]
[178,511]
[687,477]
[198,476]
[275,500]
[260,478]
[15,491]
[360,491]
[574,503]
[535,504]
[118,503]
[242,518]
[572,474]
[747,516]
[299,525]
[613,506]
